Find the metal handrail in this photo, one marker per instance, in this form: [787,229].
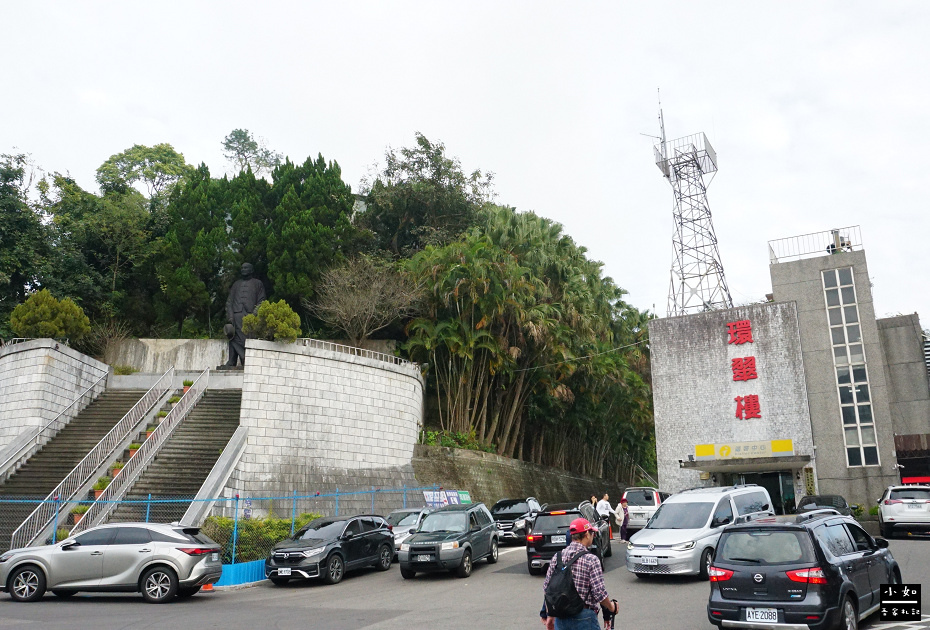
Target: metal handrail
[41,433]
[35,523]
[107,501]
[353,350]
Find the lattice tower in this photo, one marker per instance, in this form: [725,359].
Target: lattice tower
[697,280]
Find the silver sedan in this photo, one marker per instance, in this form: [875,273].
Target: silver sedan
[160,561]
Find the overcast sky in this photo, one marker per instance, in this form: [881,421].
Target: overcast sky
[817,111]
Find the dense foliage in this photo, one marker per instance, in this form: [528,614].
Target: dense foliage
[527,349]
[255,537]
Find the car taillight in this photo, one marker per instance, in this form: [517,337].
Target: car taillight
[814,575]
[197,551]
[390,527]
[892,501]
[719,575]
[560,512]
[533,538]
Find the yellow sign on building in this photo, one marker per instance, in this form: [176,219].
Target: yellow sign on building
[742,450]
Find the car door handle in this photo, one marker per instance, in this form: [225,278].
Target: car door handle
[144,550]
[96,553]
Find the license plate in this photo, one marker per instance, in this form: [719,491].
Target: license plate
[284,571]
[650,561]
[914,506]
[214,556]
[763,615]
[639,515]
[558,540]
[424,558]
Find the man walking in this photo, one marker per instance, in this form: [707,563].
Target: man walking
[587,577]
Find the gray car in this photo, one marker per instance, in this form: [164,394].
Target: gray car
[160,561]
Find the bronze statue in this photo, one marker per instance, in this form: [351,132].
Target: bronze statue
[244,297]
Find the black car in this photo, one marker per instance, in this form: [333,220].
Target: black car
[514,517]
[550,534]
[817,570]
[823,501]
[452,538]
[328,547]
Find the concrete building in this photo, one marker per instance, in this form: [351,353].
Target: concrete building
[806,393]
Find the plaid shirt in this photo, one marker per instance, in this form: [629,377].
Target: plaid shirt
[587,574]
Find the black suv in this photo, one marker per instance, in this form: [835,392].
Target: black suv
[816,570]
[550,534]
[452,538]
[514,517]
[328,547]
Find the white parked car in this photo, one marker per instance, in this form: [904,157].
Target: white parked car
[642,504]
[905,507]
[682,536]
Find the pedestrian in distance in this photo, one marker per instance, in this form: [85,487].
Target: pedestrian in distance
[594,501]
[604,509]
[574,588]
[623,515]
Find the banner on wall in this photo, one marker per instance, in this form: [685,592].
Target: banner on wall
[439,498]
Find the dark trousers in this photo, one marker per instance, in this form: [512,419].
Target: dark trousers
[236,349]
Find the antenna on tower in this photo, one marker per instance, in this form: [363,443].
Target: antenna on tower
[697,280]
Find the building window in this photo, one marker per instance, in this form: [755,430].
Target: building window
[849,360]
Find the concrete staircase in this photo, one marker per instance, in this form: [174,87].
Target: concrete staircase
[184,461]
[45,470]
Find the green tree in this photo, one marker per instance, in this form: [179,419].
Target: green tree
[158,167]
[422,197]
[245,152]
[275,321]
[41,315]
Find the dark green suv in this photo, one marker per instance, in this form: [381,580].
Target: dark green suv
[450,539]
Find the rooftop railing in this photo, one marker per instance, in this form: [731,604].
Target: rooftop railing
[835,241]
[359,352]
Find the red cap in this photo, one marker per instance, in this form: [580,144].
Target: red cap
[581,525]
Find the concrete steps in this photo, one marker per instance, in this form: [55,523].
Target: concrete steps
[47,468]
[185,460]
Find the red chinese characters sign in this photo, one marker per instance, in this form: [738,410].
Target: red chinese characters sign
[744,369]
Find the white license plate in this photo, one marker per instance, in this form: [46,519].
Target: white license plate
[215,556]
[558,540]
[424,558]
[638,515]
[914,506]
[762,615]
[284,571]
[650,561]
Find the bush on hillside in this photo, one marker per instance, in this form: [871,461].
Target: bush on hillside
[255,536]
[275,321]
[42,315]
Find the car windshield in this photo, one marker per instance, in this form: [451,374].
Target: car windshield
[680,516]
[444,522]
[551,522]
[765,547]
[513,508]
[825,501]
[640,497]
[399,519]
[321,529]
[910,493]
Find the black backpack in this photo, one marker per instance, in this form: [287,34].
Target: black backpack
[562,598]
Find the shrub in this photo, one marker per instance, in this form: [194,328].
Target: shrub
[151,427]
[255,536]
[135,446]
[124,370]
[162,414]
[175,399]
[186,384]
[102,483]
[117,466]
[873,511]
[275,321]
[41,315]
[455,439]
[81,509]
[856,510]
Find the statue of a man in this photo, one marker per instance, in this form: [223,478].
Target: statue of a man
[244,296]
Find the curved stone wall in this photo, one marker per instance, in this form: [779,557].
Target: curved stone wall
[319,418]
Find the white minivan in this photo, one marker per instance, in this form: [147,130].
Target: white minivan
[682,535]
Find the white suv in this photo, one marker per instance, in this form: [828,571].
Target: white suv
[682,536]
[904,507]
[642,504]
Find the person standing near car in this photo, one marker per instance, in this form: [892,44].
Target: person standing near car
[588,579]
[604,510]
[623,515]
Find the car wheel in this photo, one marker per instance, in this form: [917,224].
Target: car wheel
[609,551]
[886,531]
[495,552]
[385,557]
[849,620]
[279,581]
[707,558]
[64,594]
[187,591]
[335,569]
[464,569]
[27,584]
[407,574]
[159,585]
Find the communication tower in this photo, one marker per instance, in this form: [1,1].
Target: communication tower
[697,282]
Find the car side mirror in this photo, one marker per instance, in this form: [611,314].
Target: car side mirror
[348,536]
[881,542]
[412,530]
[765,507]
[68,543]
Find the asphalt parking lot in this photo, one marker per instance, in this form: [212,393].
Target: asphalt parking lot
[495,596]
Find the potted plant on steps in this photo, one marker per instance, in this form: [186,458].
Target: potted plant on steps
[149,430]
[135,446]
[117,466]
[175,399]
[187,385]
[100,486]
[78,513]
